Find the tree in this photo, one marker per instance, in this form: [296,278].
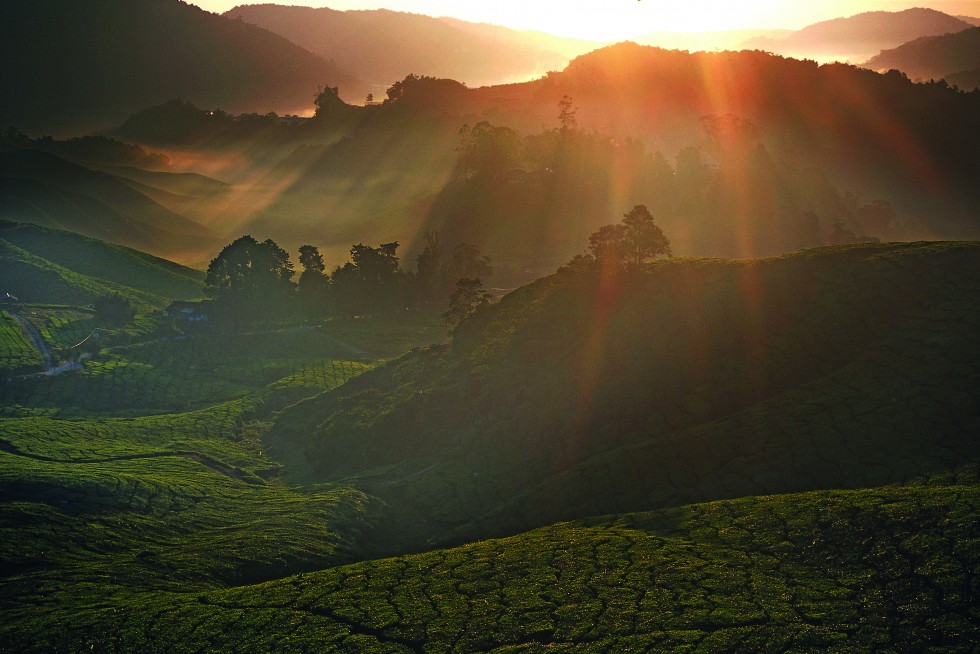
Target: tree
[327,101]
[428,265]
[607,243]
[114,309]
[631,242]
[370,281]
[488,150]
[467,262]
[248,278]
[642,239]
[313,284]
[566,115]
[469,295]
[311,259]
[424,92]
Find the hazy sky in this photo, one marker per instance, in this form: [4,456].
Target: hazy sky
[622,19]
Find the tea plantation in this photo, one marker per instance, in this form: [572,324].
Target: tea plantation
[777,455]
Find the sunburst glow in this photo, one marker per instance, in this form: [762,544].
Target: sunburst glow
[601,20]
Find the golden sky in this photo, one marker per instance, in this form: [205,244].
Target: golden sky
[610,20]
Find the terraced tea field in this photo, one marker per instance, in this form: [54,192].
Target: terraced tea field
[290,491]
[17,354]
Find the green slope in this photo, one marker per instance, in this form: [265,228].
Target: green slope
[17,353]
[691,380]
[875,570]
[35,280]
[832,394]
[104,261]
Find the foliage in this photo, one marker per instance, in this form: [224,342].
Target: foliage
[630,243]
[371,281]
[855,569]
[248,278]
[488,150]
[424,92]
[468,296]
[114,309]
[436,275]
[17,354]
[327,102]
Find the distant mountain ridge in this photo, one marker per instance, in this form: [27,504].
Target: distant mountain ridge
[44,189]
[384,46]
[78,66]
[933,57]
[860,36]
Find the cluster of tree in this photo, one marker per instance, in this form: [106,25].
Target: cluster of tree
[631,242]
[726,195]
[114,309]
[251,280]
[422,92]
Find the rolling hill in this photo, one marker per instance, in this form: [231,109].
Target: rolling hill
[57,267]
[585,393]
[755,455]
[934,57]
[114,57]
[858,37]
[383,46]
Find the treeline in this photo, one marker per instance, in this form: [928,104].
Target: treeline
[252,281]
[728,195]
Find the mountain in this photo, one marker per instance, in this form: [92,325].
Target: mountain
[715,40]
[595,391]
[85,66]
[933,57]
[384,46]
[858,37]
[45,189]
[737,154]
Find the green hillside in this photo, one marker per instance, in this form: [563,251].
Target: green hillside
[696,456]
[112,263]
[889,568]
[17,353]
[690,380]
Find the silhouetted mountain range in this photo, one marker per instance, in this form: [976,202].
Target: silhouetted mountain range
[827,153]
[383,46]
[933,57]
[858,37]
[77,66]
